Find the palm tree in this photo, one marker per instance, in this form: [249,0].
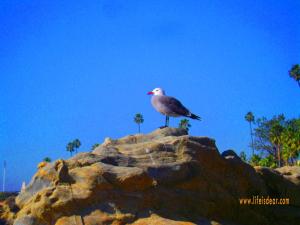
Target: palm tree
[249,117]
[295,73]
[76,144]
[291,141]
[47,159]
[254,160]
[185,124]
[70,147]
[276,139]
[138,119]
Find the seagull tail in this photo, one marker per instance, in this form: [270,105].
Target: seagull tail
[195,117]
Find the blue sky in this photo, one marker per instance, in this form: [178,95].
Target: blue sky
[82,70]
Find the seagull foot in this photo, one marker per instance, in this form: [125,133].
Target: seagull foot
[162,127]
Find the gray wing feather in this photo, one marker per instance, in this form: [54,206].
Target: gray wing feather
[174,105]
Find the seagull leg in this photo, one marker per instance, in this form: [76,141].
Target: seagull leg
[167,121]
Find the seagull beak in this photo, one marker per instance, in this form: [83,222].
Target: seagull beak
[150,93]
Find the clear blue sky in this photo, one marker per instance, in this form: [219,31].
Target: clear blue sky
[81,69]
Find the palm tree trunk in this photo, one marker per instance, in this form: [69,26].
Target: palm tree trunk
[278,156]
[251,134]
[139,128]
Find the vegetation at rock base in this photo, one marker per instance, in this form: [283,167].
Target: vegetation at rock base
[138,119]
[185,124]
[5,195]
[243,156]
[47,159]
[95,146]
[276,141]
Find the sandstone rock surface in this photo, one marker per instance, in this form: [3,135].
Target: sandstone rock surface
[165,177]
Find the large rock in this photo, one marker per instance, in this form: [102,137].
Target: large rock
[165,177]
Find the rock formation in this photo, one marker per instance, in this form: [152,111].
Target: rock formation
[165,177]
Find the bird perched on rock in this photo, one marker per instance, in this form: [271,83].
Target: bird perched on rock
[169,106]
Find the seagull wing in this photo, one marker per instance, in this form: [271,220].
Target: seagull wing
[173,105]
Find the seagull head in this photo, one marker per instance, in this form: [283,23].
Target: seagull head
[157,91]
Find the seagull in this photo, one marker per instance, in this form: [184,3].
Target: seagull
[169,106]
